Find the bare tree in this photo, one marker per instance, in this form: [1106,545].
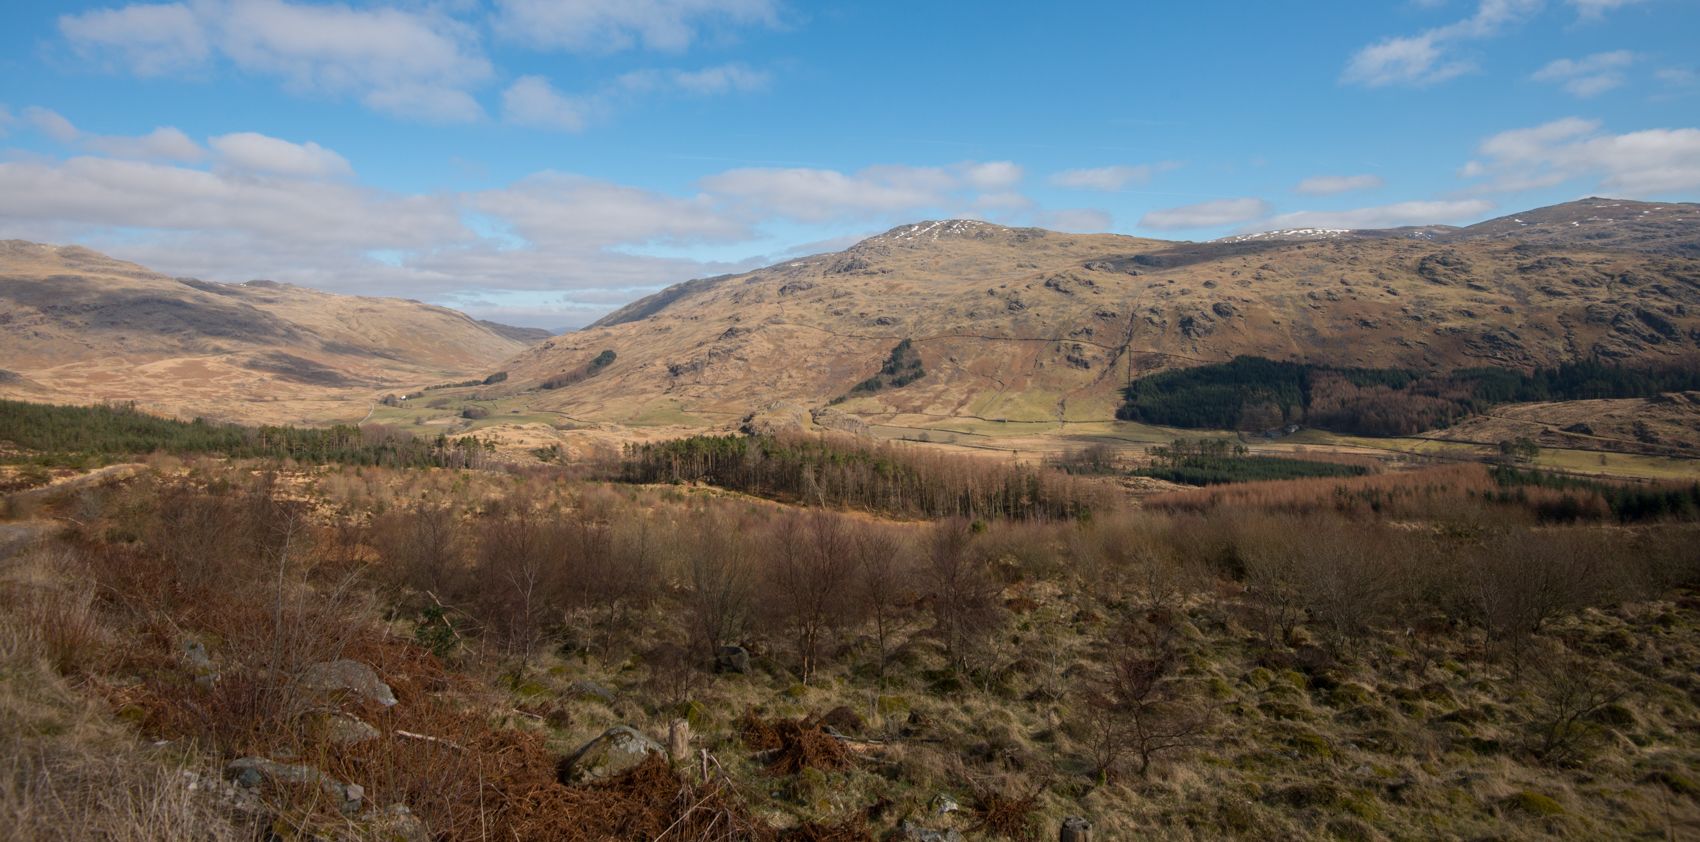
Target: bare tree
[1569,693]
[881,586]
[963,595]
[1140,707]
[720,591]
[807,575]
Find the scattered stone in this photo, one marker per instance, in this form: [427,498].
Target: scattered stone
[341,729]
[200,663]
[348,676]
[844,720]
[584,688]
[618,749]
[911,832]
[943,804]
[195,655]
[734,659]
[252,772]
[396,823]
[1075,829]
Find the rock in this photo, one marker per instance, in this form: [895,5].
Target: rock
[844,720]
[252,772]
[341,729]
[584,688]
[734,659]
[943,804]
[396,823]
[1075,829]
[618,749]
[348,676]
[910,832]
[195,655]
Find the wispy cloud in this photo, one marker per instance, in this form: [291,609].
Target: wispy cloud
[605,26]
[1211,214]
[1396,215]
[1431,56]
[822,194]
[1111,179]
[1587,76]
[1643,163]
[418,64]
[1595,9]
[1330,185]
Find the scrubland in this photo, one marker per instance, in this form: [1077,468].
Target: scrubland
[1408,655]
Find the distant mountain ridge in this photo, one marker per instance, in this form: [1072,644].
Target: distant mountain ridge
[77,325]
[1033,325]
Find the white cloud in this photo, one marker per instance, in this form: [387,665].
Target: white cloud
[1429,57]
[1587,76]
[1643,163]
[992,175]
[433,104]
[51,123]
[721,79]
[1077,220]
[258,153]
[1594,9]
[1678,77]
[149,39]
[1205,214]
[1384,216]
[417,64]
[99,193]
[605,26]
[1110,179]
[568,232]
[1330,185]
[531,101]
[554,210]
[163,144]
[820,194]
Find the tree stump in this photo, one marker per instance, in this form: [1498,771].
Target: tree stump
[679,740]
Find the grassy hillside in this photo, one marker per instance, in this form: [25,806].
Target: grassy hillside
[1433,660]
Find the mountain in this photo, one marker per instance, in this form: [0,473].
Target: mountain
[1029,324]
[78,326]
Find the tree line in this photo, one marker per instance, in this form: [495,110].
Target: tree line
[843,472]
[1253,393]
[87,435]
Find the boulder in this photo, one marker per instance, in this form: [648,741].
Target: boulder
[340,728]
[350,677]
[253,772]
[844,720]
[395,823]
[911,832]
[584,688]
[1075,829]
[735,659]
[618,749]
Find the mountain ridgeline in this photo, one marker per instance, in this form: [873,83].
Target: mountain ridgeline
[1029,325]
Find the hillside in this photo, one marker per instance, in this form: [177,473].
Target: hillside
[1028,324]
[78,326]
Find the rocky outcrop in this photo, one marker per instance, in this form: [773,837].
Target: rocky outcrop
[347,678]
[257,772]
[618,749]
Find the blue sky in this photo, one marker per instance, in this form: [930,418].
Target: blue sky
[542,162]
